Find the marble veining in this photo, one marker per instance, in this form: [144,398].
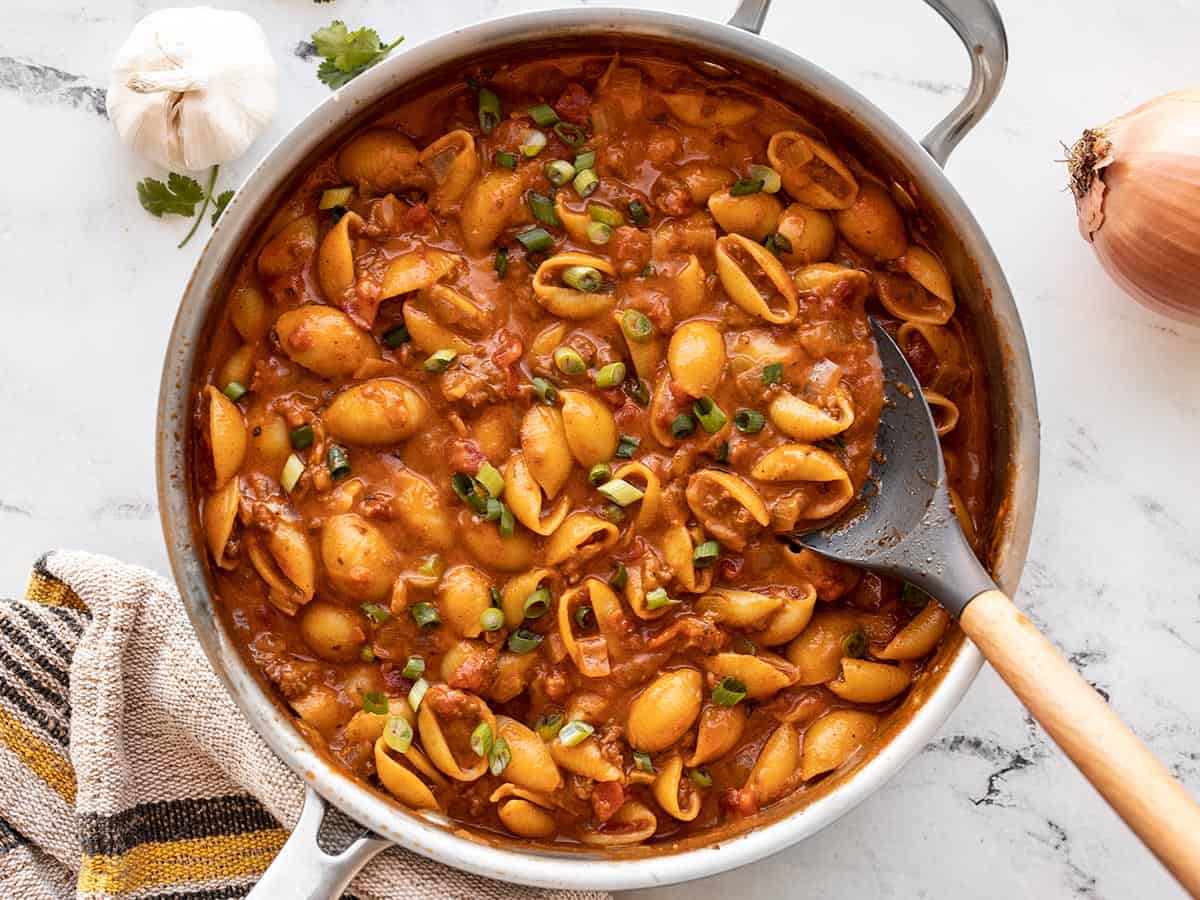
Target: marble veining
[989,809]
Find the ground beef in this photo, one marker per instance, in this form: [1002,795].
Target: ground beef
[607,798]
[574,104]
[629,249]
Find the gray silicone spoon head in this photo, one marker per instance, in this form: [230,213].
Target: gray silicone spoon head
[902,523]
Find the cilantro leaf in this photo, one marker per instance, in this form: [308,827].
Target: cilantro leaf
[347,53]
[221,201]
[178,197]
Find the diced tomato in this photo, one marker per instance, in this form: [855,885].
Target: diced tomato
[575,104]
[607,798]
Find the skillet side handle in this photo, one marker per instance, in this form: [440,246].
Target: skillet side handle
[750,15]
[1123,769]
[979,26]
[303,871]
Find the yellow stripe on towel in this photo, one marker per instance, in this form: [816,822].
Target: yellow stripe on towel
[49,591]
[52,768]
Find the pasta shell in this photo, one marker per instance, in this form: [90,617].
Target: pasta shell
[710,111]
[688,289]
[829,280]
[589,427]
[335,633]
[950,369]
[226,436]
[490,205]
[807,422]
[719,731]
[544,444]
[872,224]
[452,162]
[459,762]
[644,479]
[531,765]
[396,772]
[379,411]
[831,740]
[581,537]
[335,258]
[944,412]
[678,552]
[428,334]
[905,299]
[703,179]
[919,637]
[752,215]
[776,766]
[238,367]
[631,824]
[817,651]
[809,232]
[764,675]
[248,312]
[359,562]
[664,710]
[456,309]
[514,672]
[507,554]
[368,726]
[726,506]
[926,270]
[379,160]
[803,462]
[220,513]
[284,560]
[676,795]
[324,340]
[740,609]
[791,619]
[463,594]
[696,356]
[574,223]
[524,498]
[564,301]
[420,509]
[591,653]
[418,269]
[662,403]
[789,152]
[517,591]
[743,265]
[584,759]
[811,172]
[526,819]
[863,681]
[290,249]
[645,355]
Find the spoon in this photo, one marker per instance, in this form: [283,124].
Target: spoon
[903,525]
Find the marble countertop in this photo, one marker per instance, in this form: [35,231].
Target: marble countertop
[991,809]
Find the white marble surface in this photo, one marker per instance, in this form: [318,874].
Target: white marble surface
[991,809]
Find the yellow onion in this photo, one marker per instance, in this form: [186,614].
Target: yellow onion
[1136,182]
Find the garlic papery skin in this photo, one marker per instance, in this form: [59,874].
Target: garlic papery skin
[1136,182]
[192,88]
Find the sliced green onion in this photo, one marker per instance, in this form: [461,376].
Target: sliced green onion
[414,668]
[398,734]
[610,375]
[705,554]
[723,452]
[548,726]
[585,160]
[639,213]
[583,278]
[620,577]
[627,446]
[491,479]
[682,426]
[376,613]
[620,492]
[506,160]
[586,182]
[700,777]
[637,326]
[642,760]
[712,417]
[489,110]
[543,115]
[524,641]
[854,644]
[598,474]
[542,208]
[772,373]
[568,361]
[581,615]
[500,262]
[913,598]
[599,233]
[536,240]
[537,604]
[417,693]
[605,215]
[481,739]
[637,390]
[749,421]
[439,361]
[658,598]
[771,182]
[425,615]
[331,198]
[495,594]
[534,143]
[559,172]
[613,513]
[375,702]
[366,654]
[507,523]
[575,733]
[396,337]
[778,243]
[464,488]
[432,566]
[493,509]
[570,134]
[292,470]
[235,391]
[728,692]
[499,757]
[545,390]
[302,437]
[746,186]
[338,461]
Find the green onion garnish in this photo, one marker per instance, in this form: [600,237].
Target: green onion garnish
[549,725]
[495,595]
[534,143]
[700,777]
[599,233]
[417,693]
[302,437]
[570,134]
[605,215]
[772,373]
[507,523]
[637,326]
[778,243]
[705,554]
[620,492]
[854,644]
[545,390]
[500,756]
[396,337]
[536,240]
[292,470]
[639,213]
[575,733]
[366,654]
[375,702]
[439,361]
[506,160]
[491,479]
[712,417]
[637,390]
[398,734]
[746,186]
[641,759]
[913,598]
[682,426]
[568,361]
[464,488]
[723,452]
[481,739]
[610,375]
[338,461]
[542,208]
[524,641]
[425,615]
[331,198]
[582,615]
[543,116]
[432,566]
[658,598]
[771,182]
[583,278]
[493,509]
[491,619]
[235,391]
[414,668]
[585,160]
[748,421]
[620,577]
[586,182]
[598,474]
[613,513]
[537,604]
[728,692]
[489,110]
[500,262]
[626,446]
[376,613]
[559,172]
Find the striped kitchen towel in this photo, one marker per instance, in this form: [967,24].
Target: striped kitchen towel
[126,771]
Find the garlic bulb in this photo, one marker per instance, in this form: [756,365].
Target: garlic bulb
[1136,182]
[192,88]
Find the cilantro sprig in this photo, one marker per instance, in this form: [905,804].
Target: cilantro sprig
[347,54]
[179,195]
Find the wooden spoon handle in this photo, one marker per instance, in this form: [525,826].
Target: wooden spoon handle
[1131,778]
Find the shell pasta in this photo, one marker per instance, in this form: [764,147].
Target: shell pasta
[512,407]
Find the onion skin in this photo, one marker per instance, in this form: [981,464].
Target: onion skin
[1136,182]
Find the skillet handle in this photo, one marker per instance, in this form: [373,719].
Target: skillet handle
[303,871]
[979,26]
